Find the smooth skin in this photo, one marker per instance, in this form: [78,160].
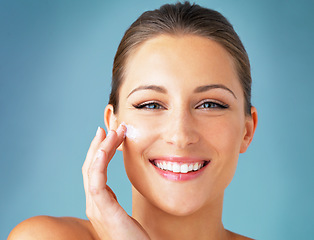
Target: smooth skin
[179,117]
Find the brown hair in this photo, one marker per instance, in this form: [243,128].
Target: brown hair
[178,19]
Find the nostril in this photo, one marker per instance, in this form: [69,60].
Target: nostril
[182,138]
[181,130]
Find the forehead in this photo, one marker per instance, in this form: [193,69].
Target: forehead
[165,58]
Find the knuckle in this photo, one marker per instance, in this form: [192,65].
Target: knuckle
[94,190]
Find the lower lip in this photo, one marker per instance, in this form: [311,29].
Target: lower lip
[179,176]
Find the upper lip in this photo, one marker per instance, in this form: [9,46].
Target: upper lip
[179,159]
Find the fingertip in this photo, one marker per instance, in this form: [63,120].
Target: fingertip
[98,132]
[99,136]
[122,130]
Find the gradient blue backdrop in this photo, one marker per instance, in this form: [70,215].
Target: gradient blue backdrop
[55,70]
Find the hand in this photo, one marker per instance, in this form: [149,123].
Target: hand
[108,218]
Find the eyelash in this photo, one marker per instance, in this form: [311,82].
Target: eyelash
[153,105]
[146,105]
[213,105]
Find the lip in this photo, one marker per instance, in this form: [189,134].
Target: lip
[179,159]
[172,176]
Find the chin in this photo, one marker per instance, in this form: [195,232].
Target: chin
[179,204]
[181,211]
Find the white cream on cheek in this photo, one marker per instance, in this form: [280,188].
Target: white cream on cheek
[132,133]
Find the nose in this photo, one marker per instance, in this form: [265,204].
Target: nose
[181,130]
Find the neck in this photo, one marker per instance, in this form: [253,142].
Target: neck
[203,224]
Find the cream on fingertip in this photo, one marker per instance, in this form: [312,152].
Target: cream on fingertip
[120,129]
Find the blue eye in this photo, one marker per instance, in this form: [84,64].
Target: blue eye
[211,104]
[149,105]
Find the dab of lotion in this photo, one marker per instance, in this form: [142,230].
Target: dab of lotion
[131,132]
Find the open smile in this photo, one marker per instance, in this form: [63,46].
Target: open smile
[178,169]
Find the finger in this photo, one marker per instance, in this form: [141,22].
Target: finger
[107,148]
[98,173]
[110,146]
[99,193]
[97,176]
[99,137]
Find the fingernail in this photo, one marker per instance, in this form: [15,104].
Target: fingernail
[98,131]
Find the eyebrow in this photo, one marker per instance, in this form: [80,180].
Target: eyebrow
[213,86]
[149,87]
[197,90]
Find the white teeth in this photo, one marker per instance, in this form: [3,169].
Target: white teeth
[184,168]
[164,165]
[190,167]
[169,166]
[195,167]
[177,167]
[161,166]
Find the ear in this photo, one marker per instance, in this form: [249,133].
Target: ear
[110,118]
[250,126]
[111,121]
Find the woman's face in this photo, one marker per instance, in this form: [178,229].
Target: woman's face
[184,107]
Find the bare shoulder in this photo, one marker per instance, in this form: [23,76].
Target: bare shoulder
[45,227]
[235,236]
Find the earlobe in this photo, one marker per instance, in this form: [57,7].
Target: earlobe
[250,127]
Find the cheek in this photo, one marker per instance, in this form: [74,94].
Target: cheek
[141,132]
[138,141]
[225,134]
[225,137]
[138,136]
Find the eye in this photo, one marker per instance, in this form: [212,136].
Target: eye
[149,106]
[212,105]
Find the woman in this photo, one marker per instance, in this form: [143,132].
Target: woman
[180,111]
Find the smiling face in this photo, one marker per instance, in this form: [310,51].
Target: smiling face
[184,107]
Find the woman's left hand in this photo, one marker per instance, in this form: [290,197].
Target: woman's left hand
[108,218]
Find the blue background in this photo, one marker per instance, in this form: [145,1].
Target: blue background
[55,70]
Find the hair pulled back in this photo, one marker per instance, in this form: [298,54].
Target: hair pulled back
[181,19]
